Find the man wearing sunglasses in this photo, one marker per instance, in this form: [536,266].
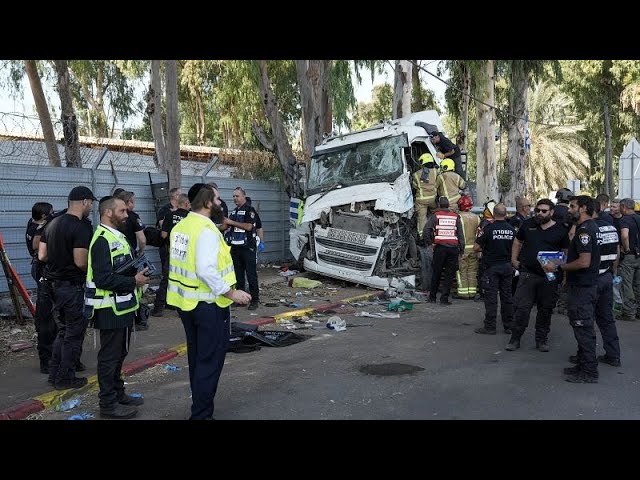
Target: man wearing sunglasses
[537,234]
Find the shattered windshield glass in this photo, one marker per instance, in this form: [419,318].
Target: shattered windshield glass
[376,160]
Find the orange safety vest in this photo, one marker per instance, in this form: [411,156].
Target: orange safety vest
[446,228]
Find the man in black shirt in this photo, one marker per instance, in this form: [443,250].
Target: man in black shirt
[603,208]
[64,247]
[43,320]
[495,242]
[172,206]
[630,260]
[582,267]
[609,246]
[170,220]
[111,302]
[134,230]
[536,234]
[447,149]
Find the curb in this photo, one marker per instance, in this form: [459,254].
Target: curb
[49,399]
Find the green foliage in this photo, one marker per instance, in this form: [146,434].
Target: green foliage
[371,113]
[342,94]
[556,154]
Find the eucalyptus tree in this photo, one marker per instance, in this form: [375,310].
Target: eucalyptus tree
[520,73]
[174,163]
[458,95]
[556,154]
[68,115]
[402,89]
[486,167]
[42,108]
[371,113]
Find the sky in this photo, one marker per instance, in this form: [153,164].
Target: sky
[25,106]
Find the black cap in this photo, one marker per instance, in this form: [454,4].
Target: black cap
[193,191]
[81,193]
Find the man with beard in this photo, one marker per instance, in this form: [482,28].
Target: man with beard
[540,233]
[201,281]
[111,300]
[64,247]
[582,277]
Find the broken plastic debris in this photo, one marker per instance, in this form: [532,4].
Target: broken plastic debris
[172,368]
[301,282]
[336,323]
[17,346]
[377,314]
[399,305]
[68,405]
[82,416]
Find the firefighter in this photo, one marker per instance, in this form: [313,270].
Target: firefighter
[449,183]
[467,273]
[487,219]
[443,232]
[424,183]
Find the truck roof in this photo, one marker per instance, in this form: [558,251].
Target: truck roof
[394,127]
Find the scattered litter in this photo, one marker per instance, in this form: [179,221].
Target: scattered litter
[378,315]
[15,331]
[294,305]
[17,346]
[398,305]
[172,368]
[288,273]
[359,325]
[135,395]
[336,323]
[82,416]
[253,314]
[271,304]
[497,353]
[394,334]
[300,282]
[68,405]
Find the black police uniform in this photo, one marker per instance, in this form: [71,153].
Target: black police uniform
[43,320]
[445,145]
[170,220]
[582,300]
[243,250]
[480,289]
[516,222]
[134,224]
[608,243]
[496,241]
[533,285]
[62,235]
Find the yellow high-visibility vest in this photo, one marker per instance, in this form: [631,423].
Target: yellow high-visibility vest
[185,289]
[97,298]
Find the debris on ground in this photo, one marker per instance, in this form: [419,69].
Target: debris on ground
[301,282]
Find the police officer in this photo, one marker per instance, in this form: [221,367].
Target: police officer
[536,234]
[523,211]
[582,267]
[629,260]
[495,242]
[467,274]
[111,300]
[449,184]
[241,236]
[424,184]
[43,320]
[64,246]
[561,210]
[201,281]
[609,246]
[443,232]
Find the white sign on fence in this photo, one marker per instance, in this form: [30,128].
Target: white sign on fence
[573,185]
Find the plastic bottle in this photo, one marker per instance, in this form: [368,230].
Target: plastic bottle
[68,405]
[550,275]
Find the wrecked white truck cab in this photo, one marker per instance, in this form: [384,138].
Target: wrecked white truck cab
[357,219]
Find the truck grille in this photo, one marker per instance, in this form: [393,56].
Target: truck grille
[348,247]
[355,264]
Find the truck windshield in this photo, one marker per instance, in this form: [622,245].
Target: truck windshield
[376,160]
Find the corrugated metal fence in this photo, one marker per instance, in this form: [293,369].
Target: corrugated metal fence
[23,185]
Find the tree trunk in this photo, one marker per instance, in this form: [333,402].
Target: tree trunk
[154,110]
[487,175]
[282,147]
[608,160]
[402,89]
[173,124]
[314,97]
[43,112]
[417,104]
[516,152]
[68,116]
[466,97]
